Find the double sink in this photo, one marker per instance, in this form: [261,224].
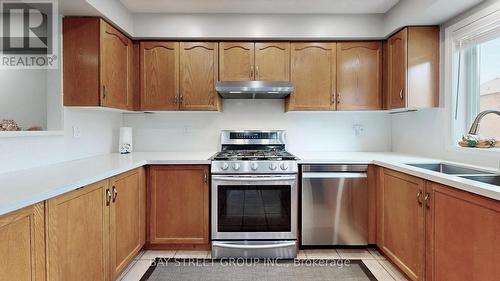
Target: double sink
[463,172]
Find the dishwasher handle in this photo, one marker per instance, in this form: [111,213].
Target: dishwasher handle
[313,175]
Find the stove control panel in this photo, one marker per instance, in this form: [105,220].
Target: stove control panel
[254,167]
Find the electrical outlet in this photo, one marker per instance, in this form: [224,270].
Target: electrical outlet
[77,132]
[359,129]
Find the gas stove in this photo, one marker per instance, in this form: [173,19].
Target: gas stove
[254,152]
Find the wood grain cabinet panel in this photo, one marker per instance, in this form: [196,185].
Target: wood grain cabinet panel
[400,219]
[178,208]
[78,234]
[236,61]
[159,75]
[272,61]
[22,244]
[198,75]
[463,236]
[98,64]
[412,71]
[127,219]
[313,74]
[359,76]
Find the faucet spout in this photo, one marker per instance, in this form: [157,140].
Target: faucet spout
[474,129]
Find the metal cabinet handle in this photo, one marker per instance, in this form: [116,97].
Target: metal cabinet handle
[176,99]
[182,99]
[108,197]
[426,199]
[251,72]
[257,72]
[205,178]
[401,94]
[103,91]
[115,194]
[419,197]
[338,99]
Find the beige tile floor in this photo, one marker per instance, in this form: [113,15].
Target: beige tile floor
[379,266]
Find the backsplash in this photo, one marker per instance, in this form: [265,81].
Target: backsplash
[306,131]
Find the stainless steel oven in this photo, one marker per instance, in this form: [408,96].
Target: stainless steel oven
[254,216]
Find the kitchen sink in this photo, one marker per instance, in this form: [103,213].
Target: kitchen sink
[493,179]
[449,169]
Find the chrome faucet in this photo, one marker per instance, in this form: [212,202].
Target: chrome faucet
[474,129]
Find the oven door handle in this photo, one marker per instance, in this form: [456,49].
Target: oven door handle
[263,246]
[246,179]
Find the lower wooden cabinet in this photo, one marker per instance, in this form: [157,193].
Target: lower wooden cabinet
[178,205]
[22,244]
[400,217]
[463,236]
[434,232]
[95,231]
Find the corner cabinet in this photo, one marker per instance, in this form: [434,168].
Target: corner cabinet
[98,64]
[313,74]
[359,76]
[178,206]
[22,244]
[95,231]
[412,68]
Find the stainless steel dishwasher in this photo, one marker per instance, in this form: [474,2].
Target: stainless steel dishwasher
[334,205]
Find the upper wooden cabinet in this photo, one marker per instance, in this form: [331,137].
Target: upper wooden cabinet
[359,76]
[265,61]
[198,75]
[159,75]
[97,65]
[22,244]
[313,74]
[412,68]
[463,235]
[272,61]
[236,61]
[400,218]
[178,209]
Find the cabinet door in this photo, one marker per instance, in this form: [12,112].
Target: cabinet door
[77,234]
[159,75]
[397,60]
[116,68]
[272,61]
[359,76]
[313,76]
[127,219]
[400,218]
[22,244]
[236,61]
[463,236]
[179,204]
[198,75]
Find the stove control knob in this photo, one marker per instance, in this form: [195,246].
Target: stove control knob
[224,166]
[254,166]
[236,166]
[273,166]
[284,166]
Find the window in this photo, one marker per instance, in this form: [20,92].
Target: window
[482,67]
[472,72]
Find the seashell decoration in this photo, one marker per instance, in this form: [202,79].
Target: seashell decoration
[9,125]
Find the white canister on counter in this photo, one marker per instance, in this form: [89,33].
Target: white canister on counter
[125,143]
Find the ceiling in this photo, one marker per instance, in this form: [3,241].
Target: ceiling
[261,6]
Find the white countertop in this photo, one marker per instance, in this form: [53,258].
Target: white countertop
[26,187]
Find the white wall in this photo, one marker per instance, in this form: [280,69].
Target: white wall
[25,102]
[234,26]
[306,131]
[99,135]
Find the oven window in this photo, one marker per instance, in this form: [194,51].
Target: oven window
[254,208]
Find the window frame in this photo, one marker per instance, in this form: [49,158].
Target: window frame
[456,127]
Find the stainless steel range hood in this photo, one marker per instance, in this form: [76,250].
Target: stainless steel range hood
[254,89]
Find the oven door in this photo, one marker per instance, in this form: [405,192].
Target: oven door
[251,207]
